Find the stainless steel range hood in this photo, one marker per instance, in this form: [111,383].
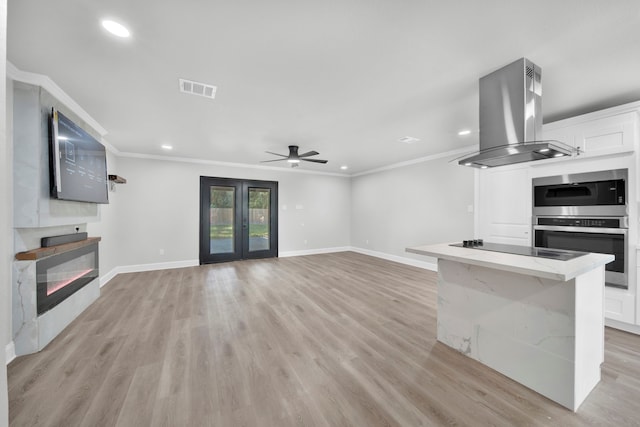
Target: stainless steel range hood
[511,119]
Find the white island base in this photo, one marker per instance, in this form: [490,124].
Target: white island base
[538,321]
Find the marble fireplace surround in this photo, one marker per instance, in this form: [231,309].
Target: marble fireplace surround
[32,332]
[35,213]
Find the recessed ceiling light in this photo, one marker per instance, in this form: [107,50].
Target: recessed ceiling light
[115,28]
[558,155]
[544,150]
[166,147]
[408,139]
[344,168]
[467,164]
[484,167]
[464,132]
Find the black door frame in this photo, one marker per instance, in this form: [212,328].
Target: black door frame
[241,219]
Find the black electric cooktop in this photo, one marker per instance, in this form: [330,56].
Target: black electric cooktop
[559,254]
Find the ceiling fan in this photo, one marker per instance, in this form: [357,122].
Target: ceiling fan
[294,158]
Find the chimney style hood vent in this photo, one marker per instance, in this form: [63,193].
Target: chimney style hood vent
[511,119]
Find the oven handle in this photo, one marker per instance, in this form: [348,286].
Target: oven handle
[582,229]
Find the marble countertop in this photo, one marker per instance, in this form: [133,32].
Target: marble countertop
[532,266]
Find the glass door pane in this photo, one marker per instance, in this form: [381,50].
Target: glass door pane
[259,215]
[221,220]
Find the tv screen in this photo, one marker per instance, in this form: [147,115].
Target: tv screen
[78,163]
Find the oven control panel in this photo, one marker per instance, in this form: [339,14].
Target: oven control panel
[581,222]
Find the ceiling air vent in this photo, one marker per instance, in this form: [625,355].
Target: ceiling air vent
[197,88]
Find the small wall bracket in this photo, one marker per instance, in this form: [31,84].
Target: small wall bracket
[115,179]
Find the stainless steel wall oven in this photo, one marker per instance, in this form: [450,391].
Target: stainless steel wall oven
[585,212]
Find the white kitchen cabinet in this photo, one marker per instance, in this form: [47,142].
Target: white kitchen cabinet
[611,134]
[619,304]
[504,205]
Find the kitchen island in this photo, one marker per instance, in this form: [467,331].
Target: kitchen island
[539,321]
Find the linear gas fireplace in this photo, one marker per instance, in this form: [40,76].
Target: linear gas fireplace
[59,276]
[52,285]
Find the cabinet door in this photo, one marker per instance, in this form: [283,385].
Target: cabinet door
[607,135]
[504,205]
[597,137]
[619,305]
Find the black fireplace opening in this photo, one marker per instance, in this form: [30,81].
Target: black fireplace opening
[61,275]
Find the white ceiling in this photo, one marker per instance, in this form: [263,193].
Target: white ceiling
[346,78]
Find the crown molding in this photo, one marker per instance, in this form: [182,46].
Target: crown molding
[228,164]
[429,158]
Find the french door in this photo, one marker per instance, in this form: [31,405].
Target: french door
[238,219]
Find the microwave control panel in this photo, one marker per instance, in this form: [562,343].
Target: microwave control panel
[581,222]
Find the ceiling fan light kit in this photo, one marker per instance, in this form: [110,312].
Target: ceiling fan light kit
[294,158]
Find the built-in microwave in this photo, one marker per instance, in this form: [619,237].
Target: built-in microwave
[601,193]
[585,212]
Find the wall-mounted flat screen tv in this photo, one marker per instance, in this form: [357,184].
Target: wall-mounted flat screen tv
[78,163]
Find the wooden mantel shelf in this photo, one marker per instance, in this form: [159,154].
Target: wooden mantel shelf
[36,254]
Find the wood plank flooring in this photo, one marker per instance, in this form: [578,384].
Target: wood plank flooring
[324,340]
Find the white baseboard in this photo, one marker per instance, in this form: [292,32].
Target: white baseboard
[105,278]
[403,260]
[627,327]
[146,267]
[287,254]
[10,352]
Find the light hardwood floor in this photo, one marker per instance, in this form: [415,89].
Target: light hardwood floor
[325,340]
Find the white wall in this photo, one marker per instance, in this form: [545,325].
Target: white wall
[411,206]
[158,209]
[6,213]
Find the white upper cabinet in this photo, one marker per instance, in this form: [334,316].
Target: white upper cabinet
[592,136]
[610,134]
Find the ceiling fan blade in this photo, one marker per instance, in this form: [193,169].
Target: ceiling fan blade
[314,160]
[276,160]
[276,154]
[310,153]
